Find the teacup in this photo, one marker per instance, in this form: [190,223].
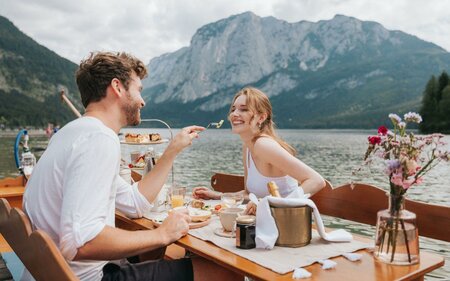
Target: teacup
[228,217]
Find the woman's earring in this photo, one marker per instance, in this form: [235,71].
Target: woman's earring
[260,126]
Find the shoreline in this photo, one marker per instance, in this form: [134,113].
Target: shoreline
[14,132]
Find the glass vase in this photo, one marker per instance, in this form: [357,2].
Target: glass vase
[397,236]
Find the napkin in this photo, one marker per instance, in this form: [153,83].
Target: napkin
[300,273]
[267,232]
[266,229]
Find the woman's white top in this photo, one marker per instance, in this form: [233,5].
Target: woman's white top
[257,183]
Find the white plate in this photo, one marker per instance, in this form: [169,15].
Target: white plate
[137,168]
[198,215]
[192,225]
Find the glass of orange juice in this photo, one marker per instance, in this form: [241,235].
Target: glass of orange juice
[177,195]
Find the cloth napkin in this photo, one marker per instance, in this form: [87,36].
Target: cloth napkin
[266,229]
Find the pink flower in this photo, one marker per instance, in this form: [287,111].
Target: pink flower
[397,178]
[407,183]
[374,140]
[405,154]
[411,166]
[382,130]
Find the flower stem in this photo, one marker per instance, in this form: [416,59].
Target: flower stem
[394,241]
[406,240]
[382,237]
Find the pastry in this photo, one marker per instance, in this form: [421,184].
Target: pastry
[197,204]
[131,137]
[154,137]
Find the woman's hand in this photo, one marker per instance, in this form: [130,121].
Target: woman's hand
[202,192]
[250,209]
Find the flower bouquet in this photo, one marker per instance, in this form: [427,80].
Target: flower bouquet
[407,159]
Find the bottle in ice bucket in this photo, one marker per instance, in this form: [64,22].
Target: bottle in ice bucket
[273,189]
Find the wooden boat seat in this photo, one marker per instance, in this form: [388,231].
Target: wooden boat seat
[359,204]
[362,202]
[12,189]
[35,249]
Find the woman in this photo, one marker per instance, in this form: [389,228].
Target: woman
[266,157]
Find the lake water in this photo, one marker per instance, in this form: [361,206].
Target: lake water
[333,153]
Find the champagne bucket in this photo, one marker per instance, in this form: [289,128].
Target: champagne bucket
[294,226]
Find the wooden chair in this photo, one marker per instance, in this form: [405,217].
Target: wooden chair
[359,204]
[35,249]
[227,182]
[362,203]
[12,189]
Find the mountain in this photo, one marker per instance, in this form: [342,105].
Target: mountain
[29,77]
[338,73]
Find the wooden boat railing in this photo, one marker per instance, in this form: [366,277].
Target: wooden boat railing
[360,204]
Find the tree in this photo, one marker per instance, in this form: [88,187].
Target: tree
[443,82]
[444,110]
[429,106]
[435,109]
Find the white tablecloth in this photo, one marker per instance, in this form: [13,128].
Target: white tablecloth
[280,259]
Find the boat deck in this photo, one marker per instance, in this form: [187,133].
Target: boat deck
[4,248]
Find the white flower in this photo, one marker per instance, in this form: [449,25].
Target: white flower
[401,125]
[413,117]
[395,118]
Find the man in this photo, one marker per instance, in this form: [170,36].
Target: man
[75,187]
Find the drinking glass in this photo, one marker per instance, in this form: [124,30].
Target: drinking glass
[177,195]
[232,200]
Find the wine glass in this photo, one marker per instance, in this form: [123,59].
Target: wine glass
[232,200]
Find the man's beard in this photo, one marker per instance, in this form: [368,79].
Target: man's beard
[132,114]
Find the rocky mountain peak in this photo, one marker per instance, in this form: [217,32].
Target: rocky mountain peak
[280,58]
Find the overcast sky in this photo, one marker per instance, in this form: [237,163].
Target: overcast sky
[149,28]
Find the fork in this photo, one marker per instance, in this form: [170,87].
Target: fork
[216,124]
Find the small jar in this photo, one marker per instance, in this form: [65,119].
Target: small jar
[245,232]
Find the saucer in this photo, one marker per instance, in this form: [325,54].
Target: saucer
[221,232]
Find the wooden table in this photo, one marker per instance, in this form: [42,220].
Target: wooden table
[365,269]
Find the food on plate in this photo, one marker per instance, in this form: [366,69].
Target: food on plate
[154,137]
[199,204]
[131,137]
[198,215]
[142,138]
[218,207]
[138,138]
[138,163]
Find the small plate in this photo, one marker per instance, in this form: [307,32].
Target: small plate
[221,232]
[198,215]
[137,168]
[192,225]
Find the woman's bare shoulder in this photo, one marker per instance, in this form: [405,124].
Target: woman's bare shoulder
[265,142]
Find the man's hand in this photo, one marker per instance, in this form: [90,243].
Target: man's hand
[175,226]
[184,138]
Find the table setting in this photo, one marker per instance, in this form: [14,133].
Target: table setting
[232,230]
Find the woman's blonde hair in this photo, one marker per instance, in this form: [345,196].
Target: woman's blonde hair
[258,103]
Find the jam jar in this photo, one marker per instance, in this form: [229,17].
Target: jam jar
[245,232]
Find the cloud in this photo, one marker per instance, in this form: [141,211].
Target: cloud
[151,28]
